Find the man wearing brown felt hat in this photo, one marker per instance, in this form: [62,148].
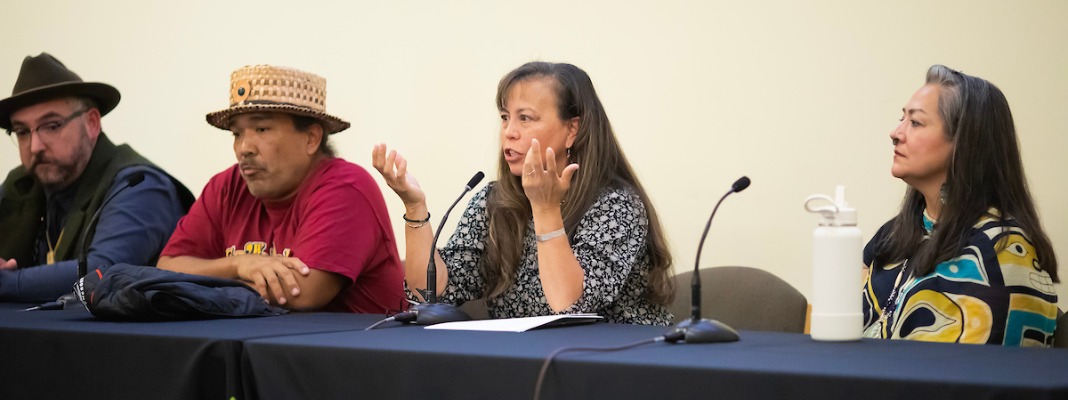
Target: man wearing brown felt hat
[69,169]
[308,230]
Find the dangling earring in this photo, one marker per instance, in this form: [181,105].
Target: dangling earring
[942,193]
[564,200]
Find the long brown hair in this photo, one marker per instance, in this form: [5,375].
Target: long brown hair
[603,165]
[985,170]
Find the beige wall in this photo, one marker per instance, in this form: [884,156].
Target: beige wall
[797,97]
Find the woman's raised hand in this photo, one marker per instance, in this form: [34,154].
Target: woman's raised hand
[542,183]
[394,169]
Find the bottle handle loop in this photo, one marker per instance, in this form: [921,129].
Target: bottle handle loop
[827,211]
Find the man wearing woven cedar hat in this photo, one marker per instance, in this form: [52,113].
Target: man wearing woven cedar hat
[69,168]
[306,229]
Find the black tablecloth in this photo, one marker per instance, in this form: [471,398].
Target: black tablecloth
[410,362]
[71,354]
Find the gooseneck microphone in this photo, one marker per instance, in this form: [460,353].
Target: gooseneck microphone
[83,256]
[431,312]
[696,329]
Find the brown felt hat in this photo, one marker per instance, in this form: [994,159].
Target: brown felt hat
[265,88]
[44,78]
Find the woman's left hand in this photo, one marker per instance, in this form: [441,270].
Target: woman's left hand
[543,184]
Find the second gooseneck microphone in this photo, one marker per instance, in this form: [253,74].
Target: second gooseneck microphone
[431,312]
[696,329]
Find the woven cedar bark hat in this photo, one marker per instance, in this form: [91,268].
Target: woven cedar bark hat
[44,78]
[265,88]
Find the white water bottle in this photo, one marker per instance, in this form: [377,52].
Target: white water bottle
[836,269]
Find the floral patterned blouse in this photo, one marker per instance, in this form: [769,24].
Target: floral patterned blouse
[992,293]
[610,246]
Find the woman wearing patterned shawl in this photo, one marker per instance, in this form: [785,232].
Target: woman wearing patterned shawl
[966,259]
[548,236]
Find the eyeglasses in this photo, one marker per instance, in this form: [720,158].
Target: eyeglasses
[47,131]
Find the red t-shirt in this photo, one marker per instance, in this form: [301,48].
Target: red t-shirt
[337,223]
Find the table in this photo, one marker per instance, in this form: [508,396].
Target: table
[71,354]
[410,362]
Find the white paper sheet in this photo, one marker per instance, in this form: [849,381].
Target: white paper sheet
[518,324]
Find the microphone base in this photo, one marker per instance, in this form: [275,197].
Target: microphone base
[436,313]
[705,331]
[70,301]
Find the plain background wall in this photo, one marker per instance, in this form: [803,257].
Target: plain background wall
[799,96]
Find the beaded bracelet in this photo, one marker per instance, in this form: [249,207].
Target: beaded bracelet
[421,222]
[549,236]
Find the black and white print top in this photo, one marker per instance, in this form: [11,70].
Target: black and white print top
[610,246]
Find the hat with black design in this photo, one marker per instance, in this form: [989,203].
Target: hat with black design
[266,88]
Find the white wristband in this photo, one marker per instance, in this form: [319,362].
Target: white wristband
[549,236]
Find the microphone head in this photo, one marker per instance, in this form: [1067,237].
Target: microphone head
[135,179]
[740,184]
[475,179]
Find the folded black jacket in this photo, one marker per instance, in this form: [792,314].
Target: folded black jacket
[137,293]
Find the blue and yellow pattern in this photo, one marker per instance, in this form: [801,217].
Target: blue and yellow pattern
[994,292]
